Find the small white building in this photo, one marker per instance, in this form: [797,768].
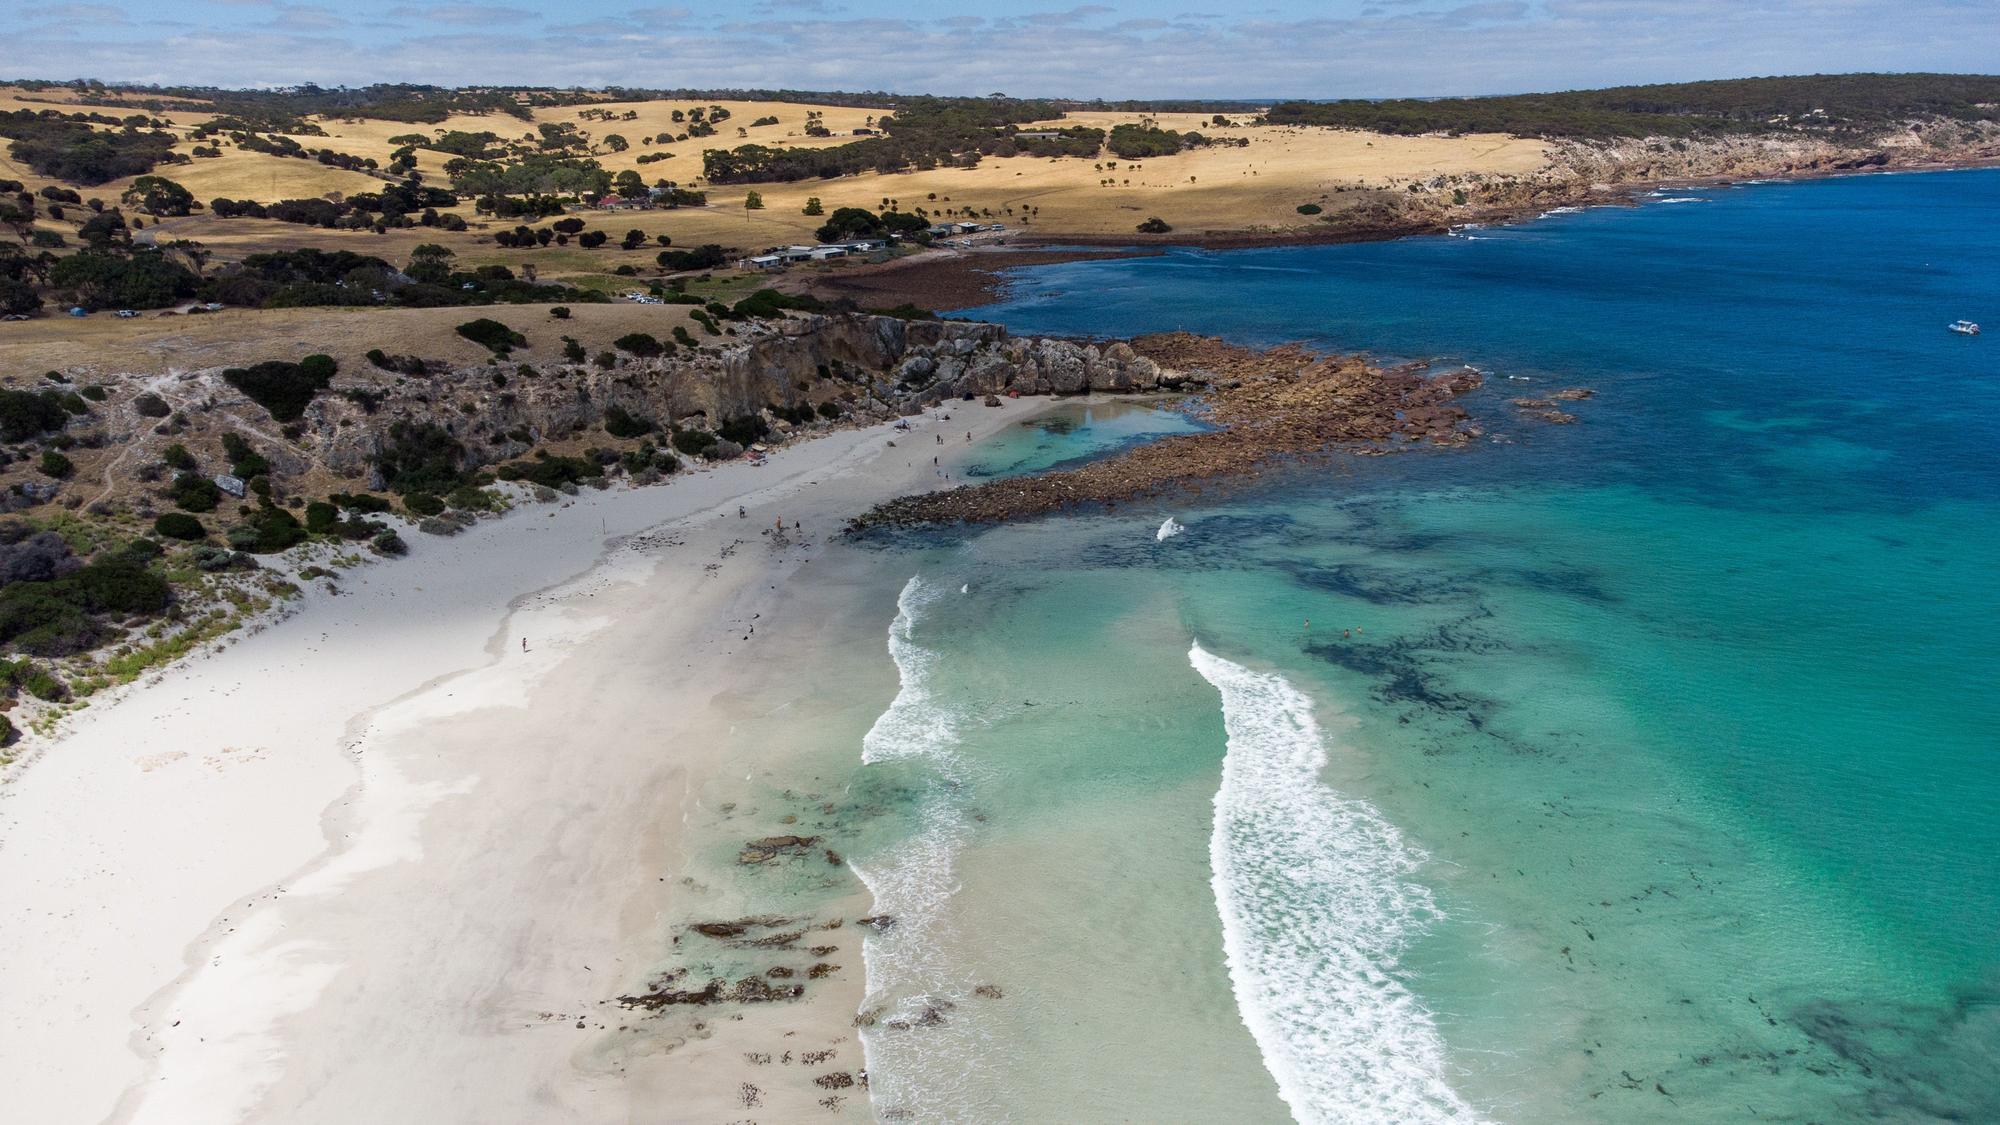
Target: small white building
[764,262]
[822,253]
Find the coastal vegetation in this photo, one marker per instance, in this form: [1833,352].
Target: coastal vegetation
[1851,104]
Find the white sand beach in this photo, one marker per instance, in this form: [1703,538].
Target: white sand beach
[377,863]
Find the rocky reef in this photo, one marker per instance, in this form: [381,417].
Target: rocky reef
[1269,406]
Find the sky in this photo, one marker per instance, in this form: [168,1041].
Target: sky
[1124,49]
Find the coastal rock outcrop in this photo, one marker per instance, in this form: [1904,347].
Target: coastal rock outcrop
[1284,403]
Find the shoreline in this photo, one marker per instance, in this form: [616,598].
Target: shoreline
[968,280]
[226,808]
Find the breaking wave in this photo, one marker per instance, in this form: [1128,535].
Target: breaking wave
[920,1060]
[1169,529]
[1317,906]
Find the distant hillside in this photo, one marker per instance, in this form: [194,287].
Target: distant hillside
[1849,104]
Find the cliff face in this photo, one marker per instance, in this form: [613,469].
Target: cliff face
[871,369]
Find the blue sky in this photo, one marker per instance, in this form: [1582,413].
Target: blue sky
[1141,48]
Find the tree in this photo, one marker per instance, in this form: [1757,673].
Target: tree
[814,206]
[616,143]
[754,201]
[103,229]
[156,195]
[430,264]
[144,280]
[570,225]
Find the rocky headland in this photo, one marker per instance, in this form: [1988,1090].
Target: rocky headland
[1265,406]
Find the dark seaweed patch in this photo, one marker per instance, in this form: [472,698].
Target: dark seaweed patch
[1378,585]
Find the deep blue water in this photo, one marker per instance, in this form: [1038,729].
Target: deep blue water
[1690,704]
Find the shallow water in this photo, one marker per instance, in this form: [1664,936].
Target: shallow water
[1659,756]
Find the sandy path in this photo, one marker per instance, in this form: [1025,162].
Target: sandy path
[340,870]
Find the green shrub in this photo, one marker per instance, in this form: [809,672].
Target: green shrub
[56,465]
[684,337]
[1154,225]
[321,517]
[266,531]
[466,498]
[621,423]
[389,544]
[550,471]
[560,312]
[62,616]
[40,682]
[693,442]
[176,456]
[638,343]
[140,551]
[25,414]
[244,461]
[420,457]
[94,393]
[179,525]
[423,503]
[492,335]
[769,302]
[743,429]
[831,409]
[194,493]
[283,389]
[572,349]
[1309,208]
[360,502]
[8,735]
[150,405]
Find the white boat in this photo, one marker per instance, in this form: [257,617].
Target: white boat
[1964,327]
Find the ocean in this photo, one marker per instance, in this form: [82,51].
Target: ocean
[1642,769]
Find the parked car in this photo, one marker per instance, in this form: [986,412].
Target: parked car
[127,314]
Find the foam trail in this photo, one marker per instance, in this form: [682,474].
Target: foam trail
[1169,529]
[913,1066]
[1316,906]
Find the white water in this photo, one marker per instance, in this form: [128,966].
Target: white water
[1317,906]
[927,1071]
[1169,529]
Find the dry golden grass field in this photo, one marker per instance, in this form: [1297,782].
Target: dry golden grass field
[1219,191]
[1222,189]
[104,346]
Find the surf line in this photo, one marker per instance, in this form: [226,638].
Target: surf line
[908,973]
[1317,906]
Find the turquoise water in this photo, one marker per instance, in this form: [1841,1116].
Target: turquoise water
[1642,769]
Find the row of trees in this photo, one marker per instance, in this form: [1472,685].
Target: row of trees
[1835,103]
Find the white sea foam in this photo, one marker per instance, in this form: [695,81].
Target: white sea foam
[927,1071]
[913,726]
[1317,906]
[1169,529]
[1683,199]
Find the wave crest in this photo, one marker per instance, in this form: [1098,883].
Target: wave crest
[1317,907]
